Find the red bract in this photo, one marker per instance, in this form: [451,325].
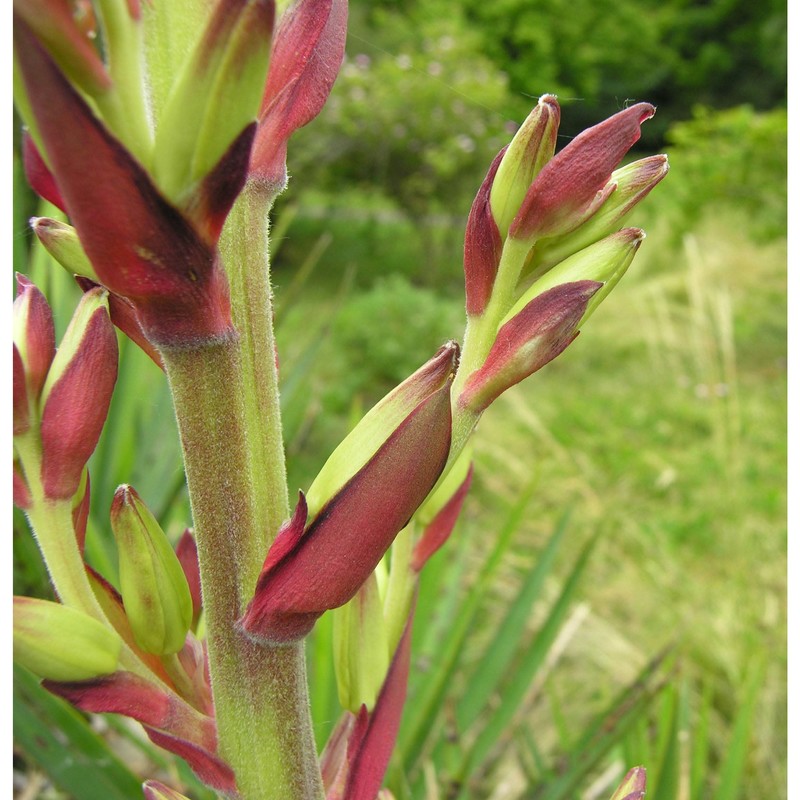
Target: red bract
[168,720]
[310,570]
[39,176]
[483,245]
[307,52]
[357,754]
[186,550]
[574,183]
[528,341]
[140,245]
[438,530]
[76,405]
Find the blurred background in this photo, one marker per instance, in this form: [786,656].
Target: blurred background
[615,591]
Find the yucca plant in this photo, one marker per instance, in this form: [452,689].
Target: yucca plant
[160,132]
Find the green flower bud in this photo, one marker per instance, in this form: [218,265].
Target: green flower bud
[60,643]
[216,95]
[360,648]
[530,149]
[605,261]
[155,593]
[62,242]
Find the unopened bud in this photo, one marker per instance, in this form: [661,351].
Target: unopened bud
[633,183]
[532,337]
[605,261]
[76,395]
[34,334]
[633,785]
[60,643]
[62,242]
[155,593]
[363,496]
[575,183]
[216,95]
[360,648]
[530,149]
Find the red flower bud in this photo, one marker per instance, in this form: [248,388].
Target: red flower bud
[314,567]
[528,341]
[483,245]
[77,395]
[307,52]
[34,335]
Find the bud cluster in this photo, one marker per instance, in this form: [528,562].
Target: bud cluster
[147,170]
[544,246]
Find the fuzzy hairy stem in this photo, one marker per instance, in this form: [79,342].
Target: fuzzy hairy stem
[260,693]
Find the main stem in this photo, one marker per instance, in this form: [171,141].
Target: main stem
[226,402]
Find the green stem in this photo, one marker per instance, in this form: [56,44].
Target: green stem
[245,251]
[226,402]
[480,336]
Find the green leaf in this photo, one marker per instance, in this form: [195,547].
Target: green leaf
[422,709]
[506,643]
[59,740]
[513,691]
[730,781]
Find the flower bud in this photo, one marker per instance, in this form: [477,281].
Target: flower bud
[215,97]
[633,183]
[633,785]
[34,335]
[307,51]
[364,495]
[483,246]
[360,647]
[155,593]
[154,790]
[62,242]
[575,183]
[605,261]
[532,337]
[530,149]
[76,395]
[61,643]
